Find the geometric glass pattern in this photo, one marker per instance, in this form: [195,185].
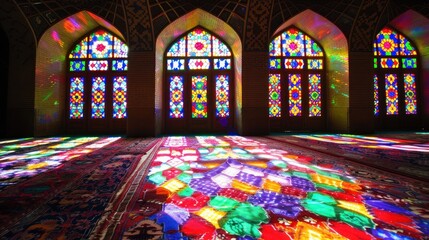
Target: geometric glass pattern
[220,49]
[119,97]
[222,63]
[99,51]
[295,98]
[102,65]
[175,64]
[199,43]
[76,97]
[98,97]
[222,96]
[178,49]
[199,64]
[199,97]
[301,60]
[315,100]
[176,97]
[410,93]
[401,56]
[77,66]
[376,101]
[274,91]
[120,65]
[391,86]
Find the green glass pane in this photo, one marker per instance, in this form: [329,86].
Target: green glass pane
[157,178]
[222,203]
[184,177]
[186,192]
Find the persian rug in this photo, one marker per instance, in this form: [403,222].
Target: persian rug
[405,154]
[67,201]
[235,187]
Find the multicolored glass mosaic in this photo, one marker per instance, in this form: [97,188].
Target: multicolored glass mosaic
[387,42]
[274,97]
[98,100]
[406,48]
[391,86]
[275,47]
[315,95]
[293,63]
[178,49]
[222,63]
[76,97]
[222,96]
[199,64]
[312,48]
[120,97]
[120,65]
[410,93]
[295,94]
[409,63]
[293,43]
[98,65]
[80,50]
[199,43]
[199,97]
[389,63]
[176,97]
[100,45]
[376,99]
[175,64]
[274,63]
[77,66]
[220,49]
[120,49]
[315,64]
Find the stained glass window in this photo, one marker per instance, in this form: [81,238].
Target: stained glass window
[176,97]
[99,51]
[199,96]
[98,97]
[194,51]
[394,53]
[298,59]
[76,97]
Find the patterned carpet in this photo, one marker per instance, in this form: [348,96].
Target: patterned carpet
[58,188]
[232,187]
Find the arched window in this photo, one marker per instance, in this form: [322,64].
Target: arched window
[97,89]
[295,82]
[198,84]
[395,79]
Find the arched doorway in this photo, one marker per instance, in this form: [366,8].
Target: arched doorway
[396,81]
[199,84]
[96,94]
[296,82]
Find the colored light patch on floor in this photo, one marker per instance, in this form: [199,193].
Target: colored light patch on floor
[234,187]
[30,158]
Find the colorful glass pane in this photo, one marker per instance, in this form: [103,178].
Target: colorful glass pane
[175,64]
[312,48]
[293,43]
[222,96]
[409,63]
[98,97]
[199,96]
[293,63]
[80,50]
[199,43]
[102,65]
[375,62]
[220,49]
[274,99]
[315,64]
[374,45]
[120,65]
[222,63]
[199,64]
[100,45]
[76,97]
[178,49]
[176,97]
[295,91]
[391,85]
[120,49]
[376,100]
[120,97]
[387,41]
[410,93]
[315,95]
[77,66]
[389,63]
[275,63]
[275,47]
[406,48]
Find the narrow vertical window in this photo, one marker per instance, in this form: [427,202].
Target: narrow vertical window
[222,96]
[76,97]
[295,95]
[98,97]
[391,85]
[376,100]
[120,97]
[176,97]
[314,94]
[410,93]
[199,96]
[274,89]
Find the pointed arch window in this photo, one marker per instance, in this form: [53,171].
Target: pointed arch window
[199,77]
[395,78]
[296,76]
[97,74]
